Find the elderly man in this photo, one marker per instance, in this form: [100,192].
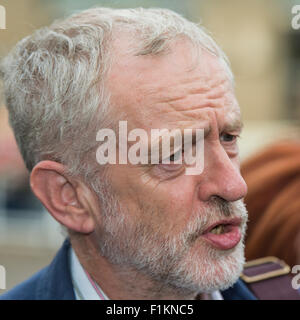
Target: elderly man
[135,231]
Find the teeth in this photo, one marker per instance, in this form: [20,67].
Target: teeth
[217,230]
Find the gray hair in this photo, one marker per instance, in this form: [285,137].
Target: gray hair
[54,80]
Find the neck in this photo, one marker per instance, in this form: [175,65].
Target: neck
[122,282]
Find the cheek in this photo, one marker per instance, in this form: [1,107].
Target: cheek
[167,203]
[177,199]
[169,206]
[178,196]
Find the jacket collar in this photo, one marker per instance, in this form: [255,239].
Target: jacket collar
[56,282]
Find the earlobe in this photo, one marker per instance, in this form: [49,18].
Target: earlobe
[61,196]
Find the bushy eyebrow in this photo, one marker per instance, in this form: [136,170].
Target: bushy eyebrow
[158,142]
[233,125]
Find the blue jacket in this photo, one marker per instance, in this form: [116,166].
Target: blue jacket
[54,283]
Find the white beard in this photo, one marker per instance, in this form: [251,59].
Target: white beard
[173,262]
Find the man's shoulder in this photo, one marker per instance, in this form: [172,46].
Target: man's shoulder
[27,290]
[51,283]
[239,291]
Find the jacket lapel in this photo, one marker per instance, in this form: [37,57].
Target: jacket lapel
[238,291]
[56,282]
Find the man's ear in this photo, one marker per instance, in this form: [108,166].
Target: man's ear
[69,201]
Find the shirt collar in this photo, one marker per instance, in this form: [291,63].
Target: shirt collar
[83,288]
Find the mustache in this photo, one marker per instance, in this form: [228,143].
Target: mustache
[216,209]
[222,206]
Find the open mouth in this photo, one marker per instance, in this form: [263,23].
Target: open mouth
[224,235]
[221,228]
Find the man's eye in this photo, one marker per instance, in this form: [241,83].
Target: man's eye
[227,137]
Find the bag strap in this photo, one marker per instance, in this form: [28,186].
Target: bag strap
[269,279]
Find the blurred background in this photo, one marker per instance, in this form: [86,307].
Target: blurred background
[264,51]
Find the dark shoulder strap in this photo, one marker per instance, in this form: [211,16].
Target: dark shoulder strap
[269,279]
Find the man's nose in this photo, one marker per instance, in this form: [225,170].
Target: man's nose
[221,177]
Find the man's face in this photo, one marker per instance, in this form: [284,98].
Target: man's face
[157,218]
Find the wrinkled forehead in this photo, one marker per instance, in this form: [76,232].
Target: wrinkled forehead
[177,86]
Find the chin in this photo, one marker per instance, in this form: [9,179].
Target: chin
[206,270]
